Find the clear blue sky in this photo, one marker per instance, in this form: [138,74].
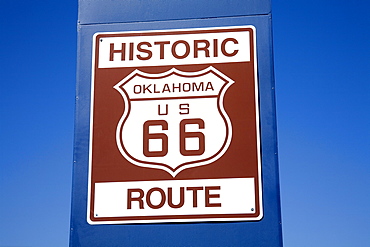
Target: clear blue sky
[322,70]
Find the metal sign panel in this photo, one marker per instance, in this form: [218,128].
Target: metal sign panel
[175,132]
[174,127]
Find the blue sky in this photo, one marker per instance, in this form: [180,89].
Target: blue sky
[322,74]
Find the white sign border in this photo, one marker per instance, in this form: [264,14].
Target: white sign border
[261,214]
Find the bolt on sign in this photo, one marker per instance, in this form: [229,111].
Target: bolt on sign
[174,128]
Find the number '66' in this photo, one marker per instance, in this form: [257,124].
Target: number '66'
[164,138]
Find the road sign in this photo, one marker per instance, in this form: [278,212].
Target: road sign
[175,132]
[174,127]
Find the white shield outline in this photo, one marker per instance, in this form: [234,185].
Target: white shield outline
[174,71]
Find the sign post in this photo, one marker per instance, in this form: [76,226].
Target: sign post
[175,124]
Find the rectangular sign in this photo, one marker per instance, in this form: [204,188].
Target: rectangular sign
[174,127]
